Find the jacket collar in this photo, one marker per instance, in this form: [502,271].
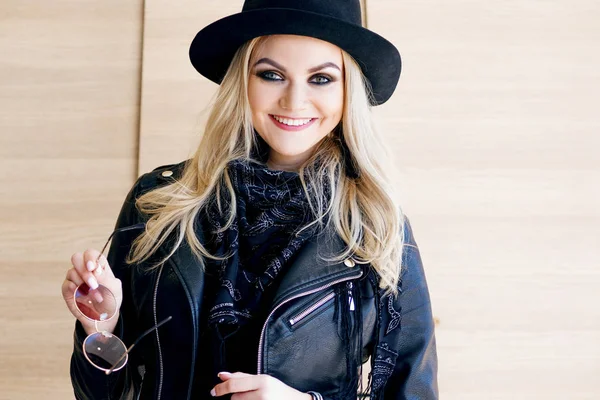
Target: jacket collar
[309,271]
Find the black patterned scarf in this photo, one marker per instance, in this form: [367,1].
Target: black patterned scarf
[271,208]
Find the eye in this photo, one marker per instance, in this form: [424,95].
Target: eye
[270,76]
[321,80]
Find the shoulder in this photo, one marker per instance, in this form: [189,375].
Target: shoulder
[160,176]
[407,230]
[410,247]
[412,277]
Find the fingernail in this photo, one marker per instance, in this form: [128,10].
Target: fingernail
[92,282]
[98,297]
[223,373]
[90,265]
[213,393]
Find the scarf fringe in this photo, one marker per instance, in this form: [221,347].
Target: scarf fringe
[350,333]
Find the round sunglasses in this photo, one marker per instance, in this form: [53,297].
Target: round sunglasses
[103,349]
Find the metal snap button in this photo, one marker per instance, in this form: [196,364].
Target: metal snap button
[348,262]
[167,174]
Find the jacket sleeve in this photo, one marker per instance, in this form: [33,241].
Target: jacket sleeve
[89,382]
[408,333]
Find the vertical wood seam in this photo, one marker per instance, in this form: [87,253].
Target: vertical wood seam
[140,90]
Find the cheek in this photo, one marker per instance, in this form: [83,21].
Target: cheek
[261,97]
[254,97]
[332,105]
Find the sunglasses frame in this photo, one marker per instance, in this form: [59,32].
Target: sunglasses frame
[106,333]
[101,332]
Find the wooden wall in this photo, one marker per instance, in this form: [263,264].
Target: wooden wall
[69,106]
[493,122]
[497,129]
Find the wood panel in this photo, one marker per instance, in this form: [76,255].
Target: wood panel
[175,97]
[496,128]
[494,123]
[69,90]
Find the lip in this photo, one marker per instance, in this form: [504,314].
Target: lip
[292,128]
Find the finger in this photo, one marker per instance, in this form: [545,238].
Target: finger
[69,286]
[228,375]
[100,266]
[79,262]
[92,259]
[237,385]
[73,277]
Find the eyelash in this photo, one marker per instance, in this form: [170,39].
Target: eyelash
[263,75]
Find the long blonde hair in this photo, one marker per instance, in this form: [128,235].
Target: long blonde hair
[364,211]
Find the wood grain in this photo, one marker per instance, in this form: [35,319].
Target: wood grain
[175,97]
[69,112]
[495,125]
[495,128]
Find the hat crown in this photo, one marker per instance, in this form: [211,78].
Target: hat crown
[345,10]
[335,21]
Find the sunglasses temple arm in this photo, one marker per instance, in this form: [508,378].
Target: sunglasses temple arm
[136,342]
[118,230]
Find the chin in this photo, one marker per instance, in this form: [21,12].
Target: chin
[290,152]
[288,145]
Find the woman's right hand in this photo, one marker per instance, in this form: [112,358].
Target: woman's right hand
[85,270]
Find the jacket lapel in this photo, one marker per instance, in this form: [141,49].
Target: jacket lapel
[190,273]
[310,269]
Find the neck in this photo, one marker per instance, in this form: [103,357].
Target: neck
[287,163]
[291,167]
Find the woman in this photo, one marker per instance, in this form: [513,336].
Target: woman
[278,250]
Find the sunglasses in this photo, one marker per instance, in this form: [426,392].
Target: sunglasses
[103,349]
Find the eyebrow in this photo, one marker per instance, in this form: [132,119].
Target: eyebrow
[310,70]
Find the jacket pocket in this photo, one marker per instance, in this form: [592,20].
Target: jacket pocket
[310,311]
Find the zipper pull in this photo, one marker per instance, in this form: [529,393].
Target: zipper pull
[350,298]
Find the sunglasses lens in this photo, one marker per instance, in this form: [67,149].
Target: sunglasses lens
[103,349]
[96,304]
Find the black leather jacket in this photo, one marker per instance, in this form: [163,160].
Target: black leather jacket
[398,333]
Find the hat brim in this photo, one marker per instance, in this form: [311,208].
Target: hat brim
[214,46]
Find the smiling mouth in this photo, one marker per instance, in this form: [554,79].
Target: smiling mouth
[292,122]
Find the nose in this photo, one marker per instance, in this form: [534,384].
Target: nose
[294,97]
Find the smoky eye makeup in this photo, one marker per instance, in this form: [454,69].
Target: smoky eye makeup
[322,79]
[269,75]
[317,79]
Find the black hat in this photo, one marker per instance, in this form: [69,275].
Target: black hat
[335,21]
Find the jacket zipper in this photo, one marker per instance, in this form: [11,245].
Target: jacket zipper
[262,332]
[160,360]
[350,298]
[300,316]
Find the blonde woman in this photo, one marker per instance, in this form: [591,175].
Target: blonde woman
[277,260]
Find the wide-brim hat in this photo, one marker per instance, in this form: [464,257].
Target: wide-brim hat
[336,21]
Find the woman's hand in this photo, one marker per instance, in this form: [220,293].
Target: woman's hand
[85,270]
[256,387]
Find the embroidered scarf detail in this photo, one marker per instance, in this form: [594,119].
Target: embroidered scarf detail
[271,207]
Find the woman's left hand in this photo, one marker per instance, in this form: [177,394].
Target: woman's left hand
[256,387]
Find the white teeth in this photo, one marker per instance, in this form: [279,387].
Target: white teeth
[292,122]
